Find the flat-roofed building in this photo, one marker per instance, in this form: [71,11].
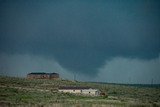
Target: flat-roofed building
[80,90]
[42,75]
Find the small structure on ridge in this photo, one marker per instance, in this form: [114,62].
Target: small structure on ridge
[42,75]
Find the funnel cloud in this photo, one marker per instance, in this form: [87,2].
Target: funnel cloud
[89,38]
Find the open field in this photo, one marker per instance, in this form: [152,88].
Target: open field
[24,92]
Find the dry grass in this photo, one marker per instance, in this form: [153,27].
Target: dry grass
[21,91]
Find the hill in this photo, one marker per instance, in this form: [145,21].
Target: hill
[21,91]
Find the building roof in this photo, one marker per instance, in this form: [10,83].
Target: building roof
[74,88]
[36,73]
[42,73]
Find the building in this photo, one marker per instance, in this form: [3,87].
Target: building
[42,75]
[53,75]
[80,90]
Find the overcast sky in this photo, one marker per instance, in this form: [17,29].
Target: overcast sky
[97,40]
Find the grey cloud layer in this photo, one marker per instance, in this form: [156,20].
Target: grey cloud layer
[81,35]
[21,64]
[116,70]
[127,70]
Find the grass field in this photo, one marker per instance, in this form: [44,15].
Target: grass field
[24,92]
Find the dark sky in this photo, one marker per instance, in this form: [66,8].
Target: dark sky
[98,40]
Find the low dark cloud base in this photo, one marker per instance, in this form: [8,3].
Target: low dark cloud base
[81,35]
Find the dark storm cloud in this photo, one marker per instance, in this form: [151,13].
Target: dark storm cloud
[81,35]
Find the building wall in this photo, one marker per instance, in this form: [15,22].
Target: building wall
[92,92]
[37,76]
[43,76]
[70,91]
[54,76]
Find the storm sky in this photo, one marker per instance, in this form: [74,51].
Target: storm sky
[96,40]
